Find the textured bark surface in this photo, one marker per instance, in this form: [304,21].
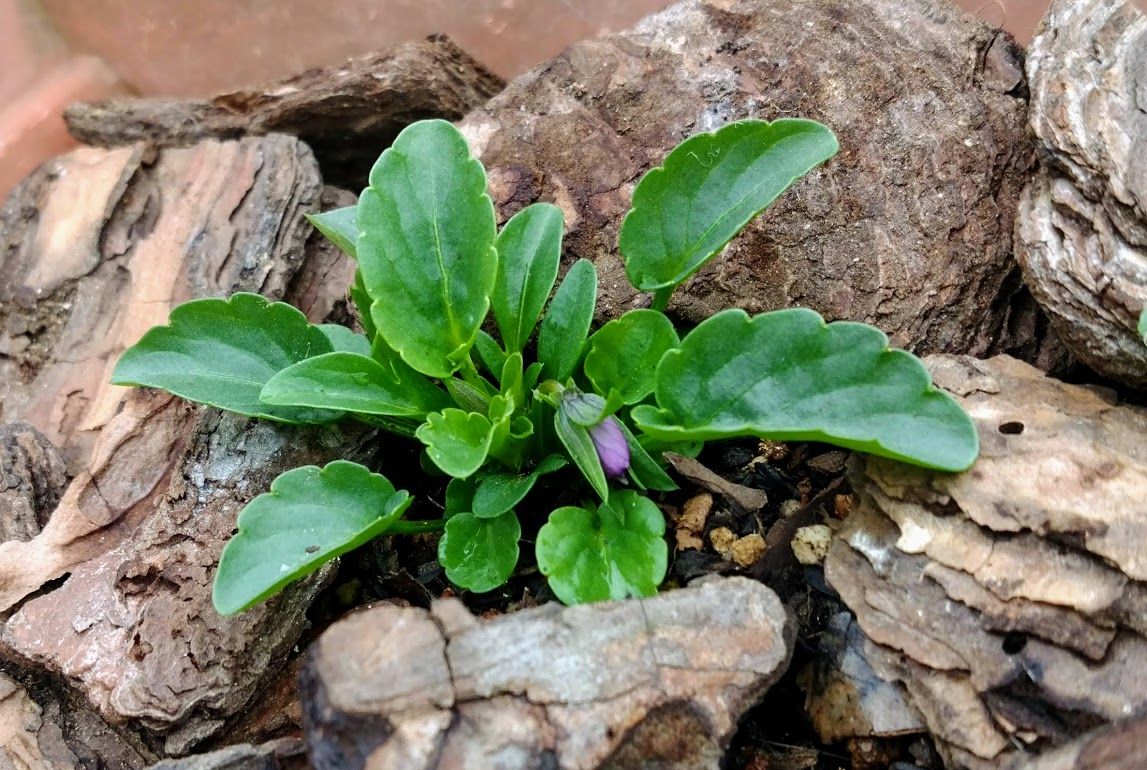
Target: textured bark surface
[99,246]
[1009,601]
[32,478]
[47,733]
[1122,746]
[1082,228]
[284,754]
[347,114]
[96,247]
[645,683]
[909,227]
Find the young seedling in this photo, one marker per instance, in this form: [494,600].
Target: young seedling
[498,413]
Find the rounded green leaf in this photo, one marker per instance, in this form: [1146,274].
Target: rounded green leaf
[529,250]
[623,354]
[709,187]
[480,554]
[426,246]
[789,376]
[354,383]
[615,552]
[221,352]
[456,441]
[561,340]
[499,492]
[309,517]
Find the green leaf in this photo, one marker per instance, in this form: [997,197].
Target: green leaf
[426,247]
[460,495]
[480,554]
[353,383]
[511,379]
[500,492]
[467,396]
[788,376]
[590,557]
[309,517]
[456,441]
[529,250]
[709,187]
[339,226]
[562,337]
[490,353]
[1143,325]
[579,445]
[623,354]
[361,301]
[344,340]
[221,352]
[646,472]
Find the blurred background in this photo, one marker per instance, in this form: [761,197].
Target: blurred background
[53,52]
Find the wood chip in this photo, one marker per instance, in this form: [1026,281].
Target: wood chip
[743,499]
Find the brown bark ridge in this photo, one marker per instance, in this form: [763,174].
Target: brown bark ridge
[909,227]
[1082,230]
[97,246]
[655,682]
[1009,601]
[347,114]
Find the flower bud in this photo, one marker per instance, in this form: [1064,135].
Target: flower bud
[612,449]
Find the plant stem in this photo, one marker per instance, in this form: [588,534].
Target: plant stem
[661,298]
[470,374]
[416,527]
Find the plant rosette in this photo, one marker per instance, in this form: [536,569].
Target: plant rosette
[546,393]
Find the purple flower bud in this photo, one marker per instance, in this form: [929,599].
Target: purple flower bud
[611,447]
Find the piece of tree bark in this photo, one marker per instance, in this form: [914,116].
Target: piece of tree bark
[32,478]
[1082,230]
[643,683]
[347,114]
[1008,600]
[283,754]
[119,237]
[1121,746]
[97,246]
[909,227]
[47,733]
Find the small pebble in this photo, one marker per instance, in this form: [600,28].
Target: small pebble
[810,544]
[790,507]
[722,539]
[748,550]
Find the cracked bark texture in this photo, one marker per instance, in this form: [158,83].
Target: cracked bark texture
[655,682]
[98,246]
[346,114]
[1009,601]
[1081,235]
[909,227]
[32,478]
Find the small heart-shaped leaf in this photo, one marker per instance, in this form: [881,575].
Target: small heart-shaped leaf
[789,376]
[480,554]
[221,352]
[623,354]
[497,493]
[614,552]
[309,517]
[456,441]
